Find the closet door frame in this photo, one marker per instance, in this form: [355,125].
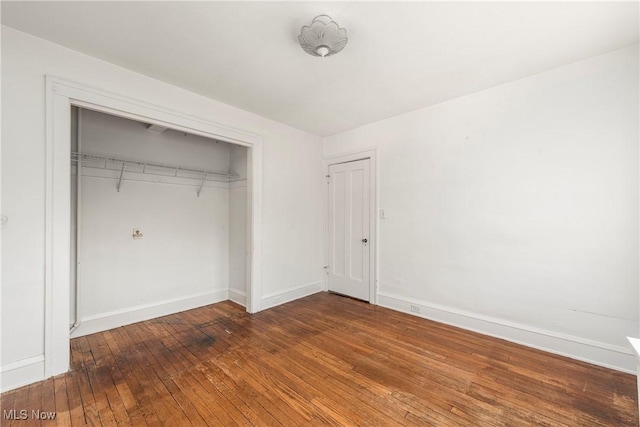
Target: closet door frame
[63,94]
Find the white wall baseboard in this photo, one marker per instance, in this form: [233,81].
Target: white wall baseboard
[114,319]
[21,372]
[239,297]
[607,355]
[288,295]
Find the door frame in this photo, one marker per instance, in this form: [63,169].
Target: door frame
[370,153]
[61,95]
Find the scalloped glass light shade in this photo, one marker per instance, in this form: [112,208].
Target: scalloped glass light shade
[323,37]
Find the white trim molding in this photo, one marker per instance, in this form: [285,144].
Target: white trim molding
[598,353]
[635,344]
[61,95]
[127,316]
[22,372]
[277,298]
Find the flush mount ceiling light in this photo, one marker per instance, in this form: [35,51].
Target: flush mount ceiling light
[323,37]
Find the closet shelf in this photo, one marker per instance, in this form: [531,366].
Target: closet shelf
[128,165]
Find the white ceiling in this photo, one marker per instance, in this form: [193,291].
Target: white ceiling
[401,56]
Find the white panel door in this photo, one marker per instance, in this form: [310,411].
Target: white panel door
[349,229]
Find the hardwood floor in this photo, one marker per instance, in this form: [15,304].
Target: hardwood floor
[322,360]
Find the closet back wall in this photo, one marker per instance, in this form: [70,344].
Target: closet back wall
[182,259]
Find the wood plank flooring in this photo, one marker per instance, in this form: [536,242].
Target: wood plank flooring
[322,360]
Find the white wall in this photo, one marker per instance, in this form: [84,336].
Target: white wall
[238,161]
[184,253]
[514,210]
[292,170]
[238,226]
[238,241]
[111,135]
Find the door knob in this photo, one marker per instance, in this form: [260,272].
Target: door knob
[364,240]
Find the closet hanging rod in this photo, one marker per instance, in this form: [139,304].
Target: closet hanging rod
[75,156]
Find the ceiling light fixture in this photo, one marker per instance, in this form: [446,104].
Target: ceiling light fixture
[323,37]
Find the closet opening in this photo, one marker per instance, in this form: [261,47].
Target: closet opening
[160,221]
[61,96]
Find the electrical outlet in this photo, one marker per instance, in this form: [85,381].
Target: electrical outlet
[415,309]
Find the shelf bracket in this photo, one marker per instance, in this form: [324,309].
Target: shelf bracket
[120,179]
[204,178]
